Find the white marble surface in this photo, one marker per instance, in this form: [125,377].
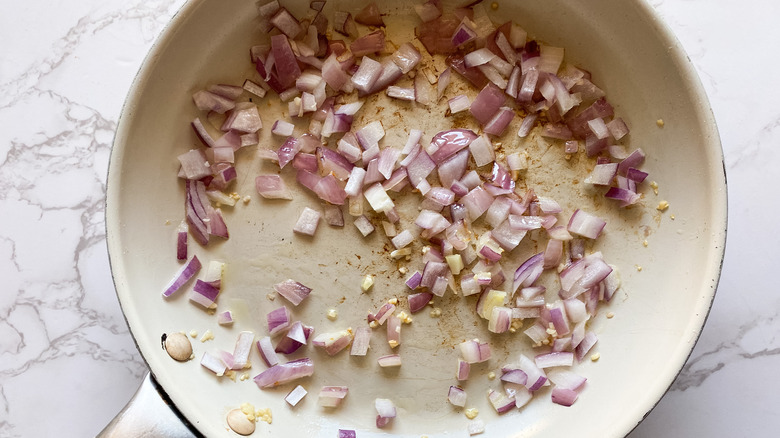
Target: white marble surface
[67,361]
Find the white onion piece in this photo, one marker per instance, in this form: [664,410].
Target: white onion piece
[555,359]
[482,150]
[478,57]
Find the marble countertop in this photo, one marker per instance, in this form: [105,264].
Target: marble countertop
[67,361]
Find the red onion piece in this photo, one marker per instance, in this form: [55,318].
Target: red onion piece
[487,102]
[566,379]
[462,371]
[500,401]
[370,16]
[364,225]
[225,318]
[361,343]
[182,276]
[332,396]
[457,396]
[401,93]
[278,320]
[528,272]
[307,221]
[476,77]
[333,342]
[463,34]
[585,224]
[283,373]
[385,412]
[204,294]
[428,11]
[516,376]
[347,433]
[293,291]
[344,24]
[213,364]
[296,395]
[436,35]
[292,340]
[418,301]
[334,216]
[393,331]
[413,282]
[564,397]
[286,65]
[242,349]
[266,350]
[208,101]
[389,360]
[272,187]
[555,359]
[500,121]
[368,44]
[194,164]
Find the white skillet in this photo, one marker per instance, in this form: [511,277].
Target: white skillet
[658,314]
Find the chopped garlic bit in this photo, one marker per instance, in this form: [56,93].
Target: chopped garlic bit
[271,296]
[471,413]
[265,415]
[230,375]
[368,281]
[435,312]
[332,314]
[401,253]
[671,217]
[244,376]
[393,343]
[491,375]
[595,356]
[207,336]
[644,243]
[403,270]
[247,199]
[193,333]
[662,206]
[610,315]
[638,268]
[405,317]
[373,324]
[455,262]
[660,123]
[654,186]
[249,410]
[393,301]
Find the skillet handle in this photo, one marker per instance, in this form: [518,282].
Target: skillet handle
[148,414]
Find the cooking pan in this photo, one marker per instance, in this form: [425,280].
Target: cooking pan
[669,261]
